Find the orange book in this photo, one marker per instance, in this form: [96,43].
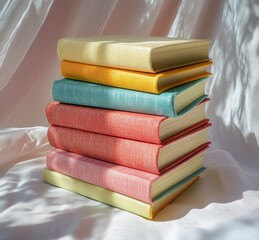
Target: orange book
[139,81]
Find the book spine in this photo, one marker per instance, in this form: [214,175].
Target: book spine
[134,154]
[133,80]
[110,197]
[129,182]
[140,127]
[95,95]
[98,193]
[111,55]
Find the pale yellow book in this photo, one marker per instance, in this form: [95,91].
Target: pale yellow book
[141,53]
[116,199]
[135,80]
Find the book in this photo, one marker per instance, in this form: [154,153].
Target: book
[135,126]
[148,157]
[139,81]
[115,199]
[142,53]
[171,103]
[133,183]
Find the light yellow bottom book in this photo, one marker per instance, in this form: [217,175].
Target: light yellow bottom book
[118,200]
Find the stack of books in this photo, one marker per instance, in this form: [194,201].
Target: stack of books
[128,122]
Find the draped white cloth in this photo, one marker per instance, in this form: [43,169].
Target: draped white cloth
[224,204]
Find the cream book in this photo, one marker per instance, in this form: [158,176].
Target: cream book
[141,53]
[115,199]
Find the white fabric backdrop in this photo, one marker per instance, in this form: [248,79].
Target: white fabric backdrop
[224,204]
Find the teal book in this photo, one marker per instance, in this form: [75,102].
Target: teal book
[171,103]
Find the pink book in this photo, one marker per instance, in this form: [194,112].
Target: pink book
[136,126]
[154,158]
[134,183]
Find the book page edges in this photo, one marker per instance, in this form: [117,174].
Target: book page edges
[178,83]
[184,131]
[193,104]
[177,194]
[191,154]
[179,184]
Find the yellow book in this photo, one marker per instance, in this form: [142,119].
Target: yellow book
[116,199]
[141,53]
[134,80]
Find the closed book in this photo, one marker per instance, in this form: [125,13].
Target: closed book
[139,81]
[142,53]
[115,199]
[171,103]
[133,183]
[136,126]
[148,157]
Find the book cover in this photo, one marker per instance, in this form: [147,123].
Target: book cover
[135,154]
[116,199]
[134,183]
[139,81]
[171,103]
[142,53]
[135,126]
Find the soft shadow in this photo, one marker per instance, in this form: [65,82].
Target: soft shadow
[197,19]
[224,181]
[22,144]
[232,170]
[125,18]
[165,18]
[232,86]
[32,209]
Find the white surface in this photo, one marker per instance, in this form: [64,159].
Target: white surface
[224,204]
[221,205]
